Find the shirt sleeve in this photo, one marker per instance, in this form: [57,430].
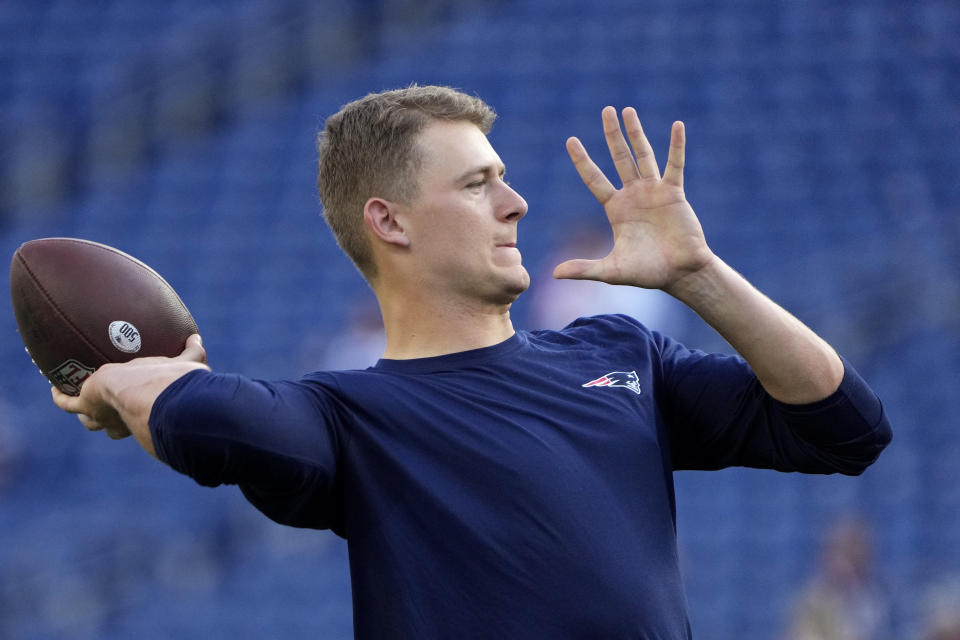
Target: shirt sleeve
[279,441]
[719,416]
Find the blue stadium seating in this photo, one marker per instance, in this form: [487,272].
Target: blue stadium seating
[822,160]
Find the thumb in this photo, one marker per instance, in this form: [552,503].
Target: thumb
[579,270]
[194,351]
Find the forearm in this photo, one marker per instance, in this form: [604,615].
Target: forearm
[793,364]
[118,398]
[133,393]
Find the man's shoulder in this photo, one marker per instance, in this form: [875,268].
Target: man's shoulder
[613,338]
[336,380]
[351,382]
[598,328]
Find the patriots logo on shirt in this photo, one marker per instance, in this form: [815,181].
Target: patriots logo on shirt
[628,379]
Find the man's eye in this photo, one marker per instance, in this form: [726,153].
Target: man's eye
[477,184]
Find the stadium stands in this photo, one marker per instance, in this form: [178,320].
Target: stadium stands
[822,160]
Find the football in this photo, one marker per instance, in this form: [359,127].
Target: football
[80,304]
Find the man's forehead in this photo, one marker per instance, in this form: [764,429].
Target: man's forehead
[456,147]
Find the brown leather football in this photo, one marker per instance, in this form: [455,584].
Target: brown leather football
[81,304]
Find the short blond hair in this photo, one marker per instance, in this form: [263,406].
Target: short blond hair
[368,149]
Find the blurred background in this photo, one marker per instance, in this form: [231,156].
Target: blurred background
[823,159]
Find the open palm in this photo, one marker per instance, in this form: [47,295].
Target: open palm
[657,237]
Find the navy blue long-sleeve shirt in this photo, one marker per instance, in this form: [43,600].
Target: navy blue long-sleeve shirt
[522,490]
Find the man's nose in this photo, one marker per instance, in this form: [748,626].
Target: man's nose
[514,206]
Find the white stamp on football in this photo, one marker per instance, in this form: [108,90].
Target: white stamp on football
[124,336]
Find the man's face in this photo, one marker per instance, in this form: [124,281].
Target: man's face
[463,224]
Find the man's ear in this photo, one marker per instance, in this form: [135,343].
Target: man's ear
[382,218]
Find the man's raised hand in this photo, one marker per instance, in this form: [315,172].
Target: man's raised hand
[657,237]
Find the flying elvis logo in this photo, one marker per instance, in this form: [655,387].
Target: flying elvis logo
[626,379]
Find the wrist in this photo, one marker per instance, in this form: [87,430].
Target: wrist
[700,287]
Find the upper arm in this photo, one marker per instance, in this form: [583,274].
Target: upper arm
[719,415]
[279,441]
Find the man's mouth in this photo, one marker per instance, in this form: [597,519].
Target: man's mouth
[506,253]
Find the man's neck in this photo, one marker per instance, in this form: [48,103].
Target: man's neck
[421,328]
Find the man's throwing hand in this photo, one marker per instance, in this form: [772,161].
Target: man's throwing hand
[118,398]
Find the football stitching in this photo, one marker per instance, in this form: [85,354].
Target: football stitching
[56,307]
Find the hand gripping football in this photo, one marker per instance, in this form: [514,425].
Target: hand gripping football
[81,304]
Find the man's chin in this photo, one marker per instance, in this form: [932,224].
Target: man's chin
[517,283]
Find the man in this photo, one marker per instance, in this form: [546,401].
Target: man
[493,483]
